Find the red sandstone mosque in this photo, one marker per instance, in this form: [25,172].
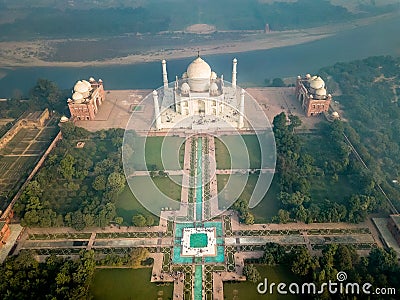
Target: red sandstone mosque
[312,94]
[86,99]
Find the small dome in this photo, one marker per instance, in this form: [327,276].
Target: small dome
[91,79]
[321,92]
[199,69]
[335,114]
[100,80]
[88,85]
[80,87]
[317,83]
[184,75]
[308,76]
[213,75]
[214,87]
[185,88]
[77,97]
[63,119]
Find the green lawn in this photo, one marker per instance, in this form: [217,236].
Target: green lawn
[160,153]
[254,150]
[230,152]
[128,206]
[322,187]
[222,155]
[126,284]
[170,186]
[248,290]
[269,205]
[182,155]
[319,147]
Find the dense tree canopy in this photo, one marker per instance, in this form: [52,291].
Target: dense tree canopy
[22,277]
[369,95]
[76,187]
[299,166]
[380,267]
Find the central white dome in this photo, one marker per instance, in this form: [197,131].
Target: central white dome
[199,69]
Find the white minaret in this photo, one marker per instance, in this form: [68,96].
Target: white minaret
[234,73]
[156,110]
[241,110]
[164,73]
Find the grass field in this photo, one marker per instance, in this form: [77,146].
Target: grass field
[269,205]
[125,284]
[128,206]
[182,155]
[229,152]
[222,155]
[160,153]
[324,187]
[248,290]
[253,148]
[170,186]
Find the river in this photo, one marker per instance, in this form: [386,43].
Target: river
[380,38]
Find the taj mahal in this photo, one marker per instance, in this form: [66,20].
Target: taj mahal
[199,99]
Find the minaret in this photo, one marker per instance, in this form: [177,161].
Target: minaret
[164,73]
[156,110]
[234,73]
[241,110]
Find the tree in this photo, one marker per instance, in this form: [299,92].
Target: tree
[138,255]
[66,167]
[248,218]
[294,122]
[119,220]
[302,214]
[273,254]
[99,183]
[116,182]
[31,218]
[277,82]
[139,220]
[358,207]
[251,273]
[283,216]
[302,262]
[47,94]
[344,257]
[381,260]
[279,122]
[293,199]
[149,220]
[77,220]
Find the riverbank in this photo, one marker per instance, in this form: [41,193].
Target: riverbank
[43,53]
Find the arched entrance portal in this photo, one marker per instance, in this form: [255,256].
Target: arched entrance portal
[201,105]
